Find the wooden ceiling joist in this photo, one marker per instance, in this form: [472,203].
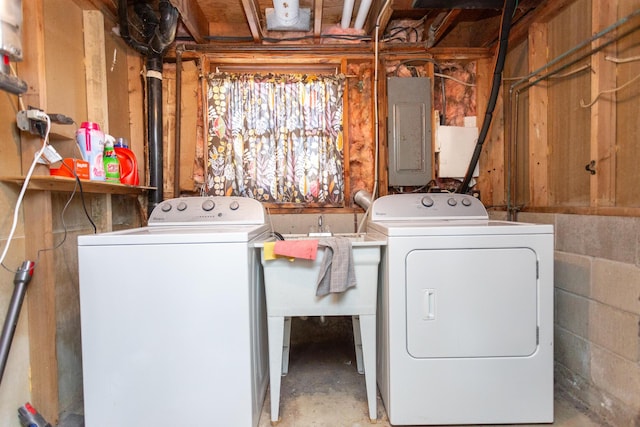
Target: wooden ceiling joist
[253,19]
[317,19]
[193,19]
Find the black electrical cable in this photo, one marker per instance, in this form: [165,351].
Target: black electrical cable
[505,27]
[84,205]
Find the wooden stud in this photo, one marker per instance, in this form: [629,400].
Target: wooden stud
[39,230]
[603,112]
[538,102]
[96,69]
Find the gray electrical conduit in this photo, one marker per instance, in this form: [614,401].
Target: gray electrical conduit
[513,92]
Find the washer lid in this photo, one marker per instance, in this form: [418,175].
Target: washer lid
[182,234]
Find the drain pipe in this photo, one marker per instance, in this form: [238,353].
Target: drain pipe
[154,130]
[507,14]
[159,33]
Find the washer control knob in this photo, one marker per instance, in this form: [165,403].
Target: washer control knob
[234,205]
[451,201]
[208,205]
[466,201]
[182,206]
[166,207]
[427,201]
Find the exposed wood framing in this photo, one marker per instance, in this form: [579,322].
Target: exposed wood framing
[538,134]
[491,182]
[137,115]
[253,19]
[193,18]
[38,230]
[96,69]
[441,25]
[603,114]
[543,13]
[317,19]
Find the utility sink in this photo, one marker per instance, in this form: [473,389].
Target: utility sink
[290,287]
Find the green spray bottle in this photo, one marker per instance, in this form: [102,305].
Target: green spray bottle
[110,160]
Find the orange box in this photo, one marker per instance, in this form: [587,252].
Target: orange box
[81,168]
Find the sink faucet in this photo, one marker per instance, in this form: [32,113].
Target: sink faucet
[321,230]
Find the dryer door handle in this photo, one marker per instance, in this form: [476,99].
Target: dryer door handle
[429,304]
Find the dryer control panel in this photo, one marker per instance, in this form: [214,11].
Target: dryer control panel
[428,206]
[208,210]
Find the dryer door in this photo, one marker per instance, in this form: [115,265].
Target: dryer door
[479,302]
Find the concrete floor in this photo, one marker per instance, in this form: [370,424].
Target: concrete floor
[323,388]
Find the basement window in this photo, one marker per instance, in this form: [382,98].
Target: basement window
[277,138]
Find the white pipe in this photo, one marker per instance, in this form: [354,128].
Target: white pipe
[347,11]
[363,11]
[287,11]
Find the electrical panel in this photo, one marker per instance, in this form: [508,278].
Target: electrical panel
[409,131]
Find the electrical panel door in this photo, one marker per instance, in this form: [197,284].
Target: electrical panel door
[409,131]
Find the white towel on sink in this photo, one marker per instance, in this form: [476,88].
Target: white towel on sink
[337,272]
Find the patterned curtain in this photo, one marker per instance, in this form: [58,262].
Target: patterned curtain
[276,138]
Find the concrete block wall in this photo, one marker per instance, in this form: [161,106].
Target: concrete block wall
[597,313]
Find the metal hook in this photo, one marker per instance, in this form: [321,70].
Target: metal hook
[591,167]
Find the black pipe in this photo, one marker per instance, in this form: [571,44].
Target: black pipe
[123,23]
[159,33]
[154,129]
[507,14]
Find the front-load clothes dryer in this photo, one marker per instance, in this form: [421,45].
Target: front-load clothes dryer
[465,316]
[173,318]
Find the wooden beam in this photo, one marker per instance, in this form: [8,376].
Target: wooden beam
[441,25]
[317,19]
[95,69]
[376,10]
[538,133]
[253,19]
[603,112]
[193,18]
[38,229]
[547,10]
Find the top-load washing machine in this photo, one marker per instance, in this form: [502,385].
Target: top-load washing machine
[173,318]
[465,315]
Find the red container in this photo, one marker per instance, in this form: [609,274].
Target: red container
[128,166]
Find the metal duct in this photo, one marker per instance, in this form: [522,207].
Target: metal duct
[286,15]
